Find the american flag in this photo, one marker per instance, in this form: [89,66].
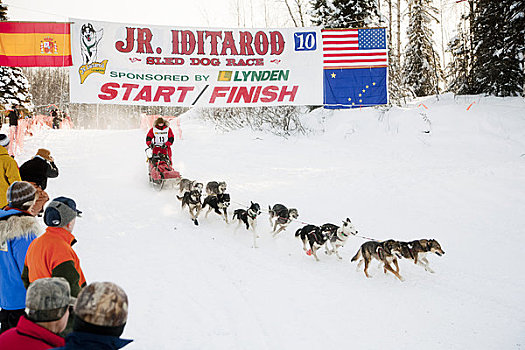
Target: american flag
[354,48]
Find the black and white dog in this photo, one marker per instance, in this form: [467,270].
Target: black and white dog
[249,218]
[338,236]
[283,216]
[89,39]
[218,203]
[314,236]
[214,188]
[192,199]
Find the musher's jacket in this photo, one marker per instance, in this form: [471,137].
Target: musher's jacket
[52,255]
[160,136]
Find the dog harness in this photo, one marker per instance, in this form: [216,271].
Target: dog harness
[283,220]
[252,214]
[89,47]
[379,252]
[410,251]
[337,235]
[192,201]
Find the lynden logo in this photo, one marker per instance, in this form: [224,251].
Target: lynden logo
[89,39]
[48,46]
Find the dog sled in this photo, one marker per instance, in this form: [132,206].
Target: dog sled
[159,168]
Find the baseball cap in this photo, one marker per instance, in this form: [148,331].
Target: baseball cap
[60,212]
[47,299]
[102,304]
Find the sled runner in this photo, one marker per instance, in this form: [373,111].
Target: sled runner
[160,168]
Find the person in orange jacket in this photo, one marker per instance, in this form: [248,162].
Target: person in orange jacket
[160,137]
[52,254]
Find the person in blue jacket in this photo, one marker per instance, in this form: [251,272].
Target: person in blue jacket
[18,228]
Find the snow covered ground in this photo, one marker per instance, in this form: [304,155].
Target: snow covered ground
[204,287]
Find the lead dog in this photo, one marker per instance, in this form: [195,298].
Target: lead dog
[384,252]
[338,236]
[418,249]
[249,218]
[283,216]
[214,188]
[218,203]
[192,199]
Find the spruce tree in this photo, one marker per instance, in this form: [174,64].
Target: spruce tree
[3,12]
[344,13]
[421,64]
[488,44]
[514,48]
[14,87]
[354,14]
[460,66]
[498,54]
[320,12]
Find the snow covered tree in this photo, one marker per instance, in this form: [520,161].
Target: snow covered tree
[459,68]
[397,92]
[515,45]
[421,65]
[345,13]
[14,87]
[3,12]
[320,12]
[498,59]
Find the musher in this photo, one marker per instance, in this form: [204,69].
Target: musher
[160,138]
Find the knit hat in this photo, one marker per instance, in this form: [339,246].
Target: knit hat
[160,120]
[20,192]
[102,304]
[47,299]
[60,212]
[44,153]
[4,140]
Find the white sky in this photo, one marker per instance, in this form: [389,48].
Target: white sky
[196,13]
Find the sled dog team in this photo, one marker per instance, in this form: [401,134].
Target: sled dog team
[331,236]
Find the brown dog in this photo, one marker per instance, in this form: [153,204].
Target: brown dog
[417,251]
[192,199]
[384,252]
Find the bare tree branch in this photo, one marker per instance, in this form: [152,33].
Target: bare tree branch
[291,13]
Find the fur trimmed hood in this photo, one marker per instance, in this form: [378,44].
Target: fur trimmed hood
[18,226]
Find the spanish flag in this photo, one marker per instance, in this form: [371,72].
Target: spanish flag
[35,44]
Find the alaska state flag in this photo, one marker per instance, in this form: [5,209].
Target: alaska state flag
[355,67]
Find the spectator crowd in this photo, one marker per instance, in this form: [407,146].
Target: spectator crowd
[45,300]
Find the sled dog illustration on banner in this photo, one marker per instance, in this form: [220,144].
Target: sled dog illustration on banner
[89,40]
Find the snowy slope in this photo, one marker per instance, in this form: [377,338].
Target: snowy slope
[205,287]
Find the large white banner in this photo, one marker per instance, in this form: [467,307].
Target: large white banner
[173,66]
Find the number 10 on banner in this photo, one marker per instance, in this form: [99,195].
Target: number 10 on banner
[305,41]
